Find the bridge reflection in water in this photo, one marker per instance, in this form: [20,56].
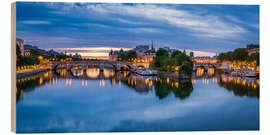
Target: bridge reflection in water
[82,94]
[162,86]
[200,71]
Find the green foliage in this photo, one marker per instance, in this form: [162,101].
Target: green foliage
[127,56]
[254,57]
[186,69]
[239,54]
[175,53]
[36,53]
[162,52]
[182,91]
[164,62]
[18,51]
[27,60]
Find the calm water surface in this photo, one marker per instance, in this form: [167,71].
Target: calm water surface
[102,101]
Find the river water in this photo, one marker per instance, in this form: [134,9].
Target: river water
[105,101]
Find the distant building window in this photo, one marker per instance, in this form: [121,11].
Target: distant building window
[27,52]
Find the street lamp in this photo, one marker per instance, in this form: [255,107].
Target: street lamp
[40,57]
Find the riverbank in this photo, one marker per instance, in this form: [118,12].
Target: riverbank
[30,73]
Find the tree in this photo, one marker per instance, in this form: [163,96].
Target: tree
[18,51]
[254,57]
[162,52]
[225,56]
[127,56]
[186,69]
[160,60]
[27,60]
[164,62]
[175,53]
[229,56]
[240,54]
[131,54]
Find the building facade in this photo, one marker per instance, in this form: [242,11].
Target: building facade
[205,59]
[20,44]
[27,52]
[144,53]
[252,48]
[114,54]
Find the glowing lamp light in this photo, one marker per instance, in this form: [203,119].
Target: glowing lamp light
[40,57]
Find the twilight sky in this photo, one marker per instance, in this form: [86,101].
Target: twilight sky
[213,28]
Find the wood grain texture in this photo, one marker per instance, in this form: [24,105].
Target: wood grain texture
[13,67]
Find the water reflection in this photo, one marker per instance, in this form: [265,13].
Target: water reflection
[211,71]
[138,83]
[110,101]
[201,72]
[240,86]
[30,83]
[108,73]
[180,88]
[77,73]
[92,72]
[161,86]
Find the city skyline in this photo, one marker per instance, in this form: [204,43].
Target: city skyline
[211,28]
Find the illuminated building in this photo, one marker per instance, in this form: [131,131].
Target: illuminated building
[205,59]
[27,52]
[20,44]
[144,53]
[141,48]
[77,56]
[114,54]
[252,48]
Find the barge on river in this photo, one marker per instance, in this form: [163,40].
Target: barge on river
[146,72]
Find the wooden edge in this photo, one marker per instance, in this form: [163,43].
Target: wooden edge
[13,67]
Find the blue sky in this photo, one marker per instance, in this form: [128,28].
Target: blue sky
[213,28]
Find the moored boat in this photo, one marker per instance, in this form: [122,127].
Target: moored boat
[146,72]
[243,73]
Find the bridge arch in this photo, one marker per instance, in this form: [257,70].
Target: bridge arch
[75,65]
[59,66]
[125,67]
[140,67]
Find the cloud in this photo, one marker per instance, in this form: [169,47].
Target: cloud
[198,25]
[35,22]
[128,21]
[128,29]
[142,30]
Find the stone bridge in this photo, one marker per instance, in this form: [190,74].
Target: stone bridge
[116,65]
[205,65]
